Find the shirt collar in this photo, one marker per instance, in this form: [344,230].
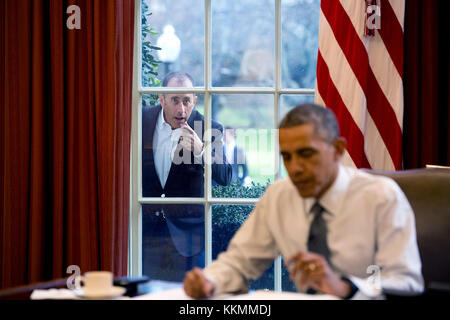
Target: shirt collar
[162,124]
[165,129]
[332,199]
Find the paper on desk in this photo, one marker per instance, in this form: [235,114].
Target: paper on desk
[173,294]
[58,294]
[275,295]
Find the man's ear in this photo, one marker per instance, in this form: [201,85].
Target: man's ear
[161,98]
[339,145]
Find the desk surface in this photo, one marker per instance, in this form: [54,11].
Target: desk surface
[163,290]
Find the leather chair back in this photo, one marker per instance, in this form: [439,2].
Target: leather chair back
[428,191]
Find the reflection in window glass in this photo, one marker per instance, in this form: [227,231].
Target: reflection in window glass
[181,28]
[300,42]
[249,140]
[243,34]
[173,240]
[226,220]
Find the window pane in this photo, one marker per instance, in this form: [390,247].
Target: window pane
[289,101]
[167,170]
[173,239]
[182,39]
[243,43]
[249,142]
[300,42]
[226,220]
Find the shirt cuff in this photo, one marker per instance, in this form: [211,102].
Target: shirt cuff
[213,279]
[200,155]
[365,290]
[353,288]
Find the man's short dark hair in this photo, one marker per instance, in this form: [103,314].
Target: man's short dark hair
[178,76]
[323,119]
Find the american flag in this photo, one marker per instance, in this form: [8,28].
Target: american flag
[360,77]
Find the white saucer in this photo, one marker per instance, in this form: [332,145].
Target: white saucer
[113,292]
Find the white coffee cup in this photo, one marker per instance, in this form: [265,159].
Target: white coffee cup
[97,282]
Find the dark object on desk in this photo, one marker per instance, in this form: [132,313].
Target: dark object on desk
[428,191]
[439,290]
[390,294]
[435,291]
[131,284]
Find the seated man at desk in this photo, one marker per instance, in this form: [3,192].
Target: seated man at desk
[333,224]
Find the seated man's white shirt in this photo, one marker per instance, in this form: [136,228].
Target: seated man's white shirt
[369,220]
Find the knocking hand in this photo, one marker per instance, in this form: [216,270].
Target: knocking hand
[308,269]
[196,285]
[189,140]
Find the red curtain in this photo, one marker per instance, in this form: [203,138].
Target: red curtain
[426,133]
[65,138]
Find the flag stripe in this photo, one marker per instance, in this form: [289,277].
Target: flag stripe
[355,52]
[380,61]
[354,99]
[398,6]
[352,96]
[349,128]
[391,32]
[342,75]
[375,148]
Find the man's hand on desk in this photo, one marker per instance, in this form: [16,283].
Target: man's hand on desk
[196,285]
[310,270]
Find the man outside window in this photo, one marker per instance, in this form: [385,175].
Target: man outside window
[173,166]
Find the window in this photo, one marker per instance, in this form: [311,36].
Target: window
[252,60]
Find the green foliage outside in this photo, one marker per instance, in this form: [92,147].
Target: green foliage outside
[226,220]
[149,63]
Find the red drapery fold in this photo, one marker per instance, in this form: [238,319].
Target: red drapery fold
[426,132]
[65,138]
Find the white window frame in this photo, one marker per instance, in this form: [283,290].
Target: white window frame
[136,199]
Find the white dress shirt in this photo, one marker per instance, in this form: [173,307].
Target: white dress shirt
[370,225]
[165,141]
